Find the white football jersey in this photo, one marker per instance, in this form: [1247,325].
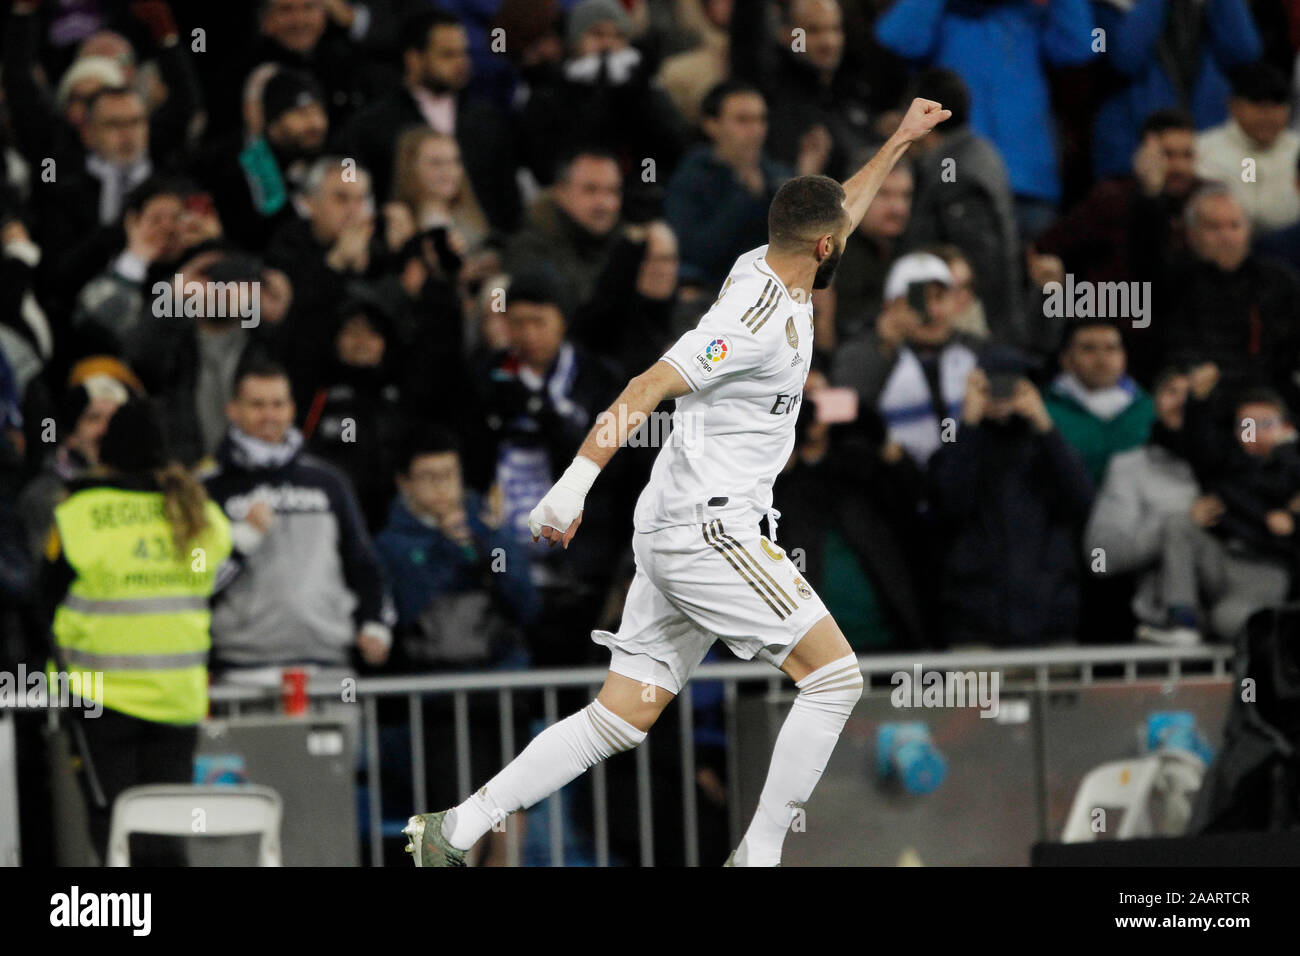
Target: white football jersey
[746,363]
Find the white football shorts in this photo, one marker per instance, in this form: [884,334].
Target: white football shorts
[699,583]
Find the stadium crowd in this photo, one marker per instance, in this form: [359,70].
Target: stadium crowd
[380,265]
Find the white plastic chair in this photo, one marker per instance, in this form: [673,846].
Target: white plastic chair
[184,810]
[1166,781]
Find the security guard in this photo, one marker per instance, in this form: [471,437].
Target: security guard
[133,559]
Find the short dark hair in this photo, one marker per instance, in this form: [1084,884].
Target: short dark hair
[711,105]
[425,439]
[1262,395]
[1260,82]
[586,151]
[151,189]
[1163,120]
[946,87]
[1094,322]
[419,27]
[258,365]
[803,206]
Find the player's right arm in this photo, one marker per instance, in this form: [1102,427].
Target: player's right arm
[558,514]
[921,117]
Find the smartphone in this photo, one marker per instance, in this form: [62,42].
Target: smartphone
[916,299]
[835,405]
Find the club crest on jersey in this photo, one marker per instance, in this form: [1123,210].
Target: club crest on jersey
[805,592]
[791,333]
[712,355]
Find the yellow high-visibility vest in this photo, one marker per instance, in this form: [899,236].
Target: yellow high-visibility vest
[137,610]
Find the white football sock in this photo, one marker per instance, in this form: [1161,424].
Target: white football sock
[803,747]
[556,756]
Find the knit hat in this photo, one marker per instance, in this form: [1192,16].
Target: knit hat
[134,441]
[588,13]
[539,285]
[287,90]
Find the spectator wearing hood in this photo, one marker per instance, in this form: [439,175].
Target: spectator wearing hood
[312,591]
[1099,409]
[1166,54]
[355,418]
[1008,499]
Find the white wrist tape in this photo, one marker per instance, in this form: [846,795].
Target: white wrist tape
[563,503]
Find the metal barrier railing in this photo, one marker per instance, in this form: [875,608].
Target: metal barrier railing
[1020,670]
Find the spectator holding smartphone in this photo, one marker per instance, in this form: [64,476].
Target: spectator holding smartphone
[1009,498]
[912,370]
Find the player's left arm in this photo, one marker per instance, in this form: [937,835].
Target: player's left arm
[921,117]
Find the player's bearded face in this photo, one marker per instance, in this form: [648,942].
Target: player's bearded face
[826,268]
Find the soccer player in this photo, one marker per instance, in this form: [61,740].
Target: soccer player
[703,571]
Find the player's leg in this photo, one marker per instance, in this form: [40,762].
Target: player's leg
[829,679]
[616,721]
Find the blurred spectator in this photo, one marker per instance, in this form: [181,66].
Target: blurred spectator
[256,181]
[23,323]
[571,227]
[635,314]
[1254,152]
[312,588]
[1144,488]
[849,500]
[1237,543]
[869,252]
[963,198]
[188,360]
[601,97]
[299,35]
[815,88]
[430,185]
[538,400]
[1096,240]
[1011,104]
[57,129]
[355,418]
[1098,408]
[83,419]
[689,76]
[720,193]
[912,371]
[1009,498]
[1166,54]
[460,583]
[1219,302]
[436,74]
[967,308]
[1282,245]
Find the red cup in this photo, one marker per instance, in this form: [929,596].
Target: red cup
[293,691]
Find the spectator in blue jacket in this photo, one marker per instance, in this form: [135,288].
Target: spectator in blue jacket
[719,195]
[1173,54]
[1002,51]
[448,565]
